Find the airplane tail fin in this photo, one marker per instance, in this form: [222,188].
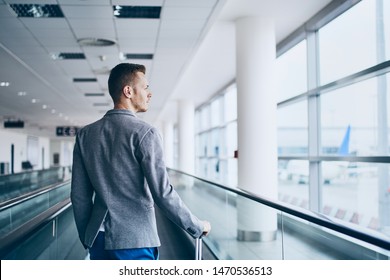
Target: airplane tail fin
[344,148]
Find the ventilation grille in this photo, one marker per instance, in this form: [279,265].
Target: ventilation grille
[137,11]
[36,10]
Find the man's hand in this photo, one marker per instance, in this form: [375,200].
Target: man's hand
[206,228]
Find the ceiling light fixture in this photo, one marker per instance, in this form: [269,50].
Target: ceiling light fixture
[83,80]
[4,84]
[95,42]
[37,10]
[137,11]
[61,56]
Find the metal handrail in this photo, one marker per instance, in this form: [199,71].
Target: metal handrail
[304,214]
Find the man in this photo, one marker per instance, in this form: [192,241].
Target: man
[119,174]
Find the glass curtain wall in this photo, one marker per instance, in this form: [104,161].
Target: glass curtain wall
[333,136]
[216,138]
[333,119]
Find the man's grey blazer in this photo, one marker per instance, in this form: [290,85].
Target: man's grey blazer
[118,175]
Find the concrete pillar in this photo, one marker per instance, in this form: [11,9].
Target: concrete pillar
[257,126]
[186,136]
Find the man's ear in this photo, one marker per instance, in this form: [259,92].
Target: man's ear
[127,91]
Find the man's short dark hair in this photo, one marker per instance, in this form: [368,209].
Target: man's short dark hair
[121,75]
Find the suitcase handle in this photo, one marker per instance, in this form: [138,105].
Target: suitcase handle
[198,248]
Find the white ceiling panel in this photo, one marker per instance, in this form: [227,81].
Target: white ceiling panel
[11,25]
[6,11]
[54,49]
[181,29]
[77,23]
[137,28]
[44,23]
[185,13]
[75,67]
[103,33]
[86,12]
[84,2]
[137,46]
[190,3]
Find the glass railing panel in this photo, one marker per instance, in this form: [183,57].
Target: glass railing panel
[56,240]
[232,217]
[14,185]
[25,211]
[59,194]
[5,221]
[20,213]
[306,241]
[248,227]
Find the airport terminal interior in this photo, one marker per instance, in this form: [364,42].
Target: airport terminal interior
[273,115]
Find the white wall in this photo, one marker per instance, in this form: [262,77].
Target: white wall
[64,148]
[19,140]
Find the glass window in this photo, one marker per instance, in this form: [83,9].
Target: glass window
[293,129]
[293,182]
[216,112]
[215,145]
[230,104]
[350,122]
[291,69]
[357,193]
[386,27]
[231,139]
[205,118]
[352,42]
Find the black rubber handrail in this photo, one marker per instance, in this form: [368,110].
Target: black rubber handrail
[315,218]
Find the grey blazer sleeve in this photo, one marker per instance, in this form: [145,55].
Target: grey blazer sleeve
[81,193]
[150,156]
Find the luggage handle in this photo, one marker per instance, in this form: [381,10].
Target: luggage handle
[198,248]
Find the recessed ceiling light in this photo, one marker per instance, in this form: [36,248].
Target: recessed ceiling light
[61,56]
[4,84]
[137,56]
[82,80]
[22,93]
[37,10]
[94,94]
[95,42]
[136,11]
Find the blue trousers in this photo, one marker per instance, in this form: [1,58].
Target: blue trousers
[97,252]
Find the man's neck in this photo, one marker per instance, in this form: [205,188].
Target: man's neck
[121,106]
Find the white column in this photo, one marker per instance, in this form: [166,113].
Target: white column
[257,124]
[168,143]
[186,136]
